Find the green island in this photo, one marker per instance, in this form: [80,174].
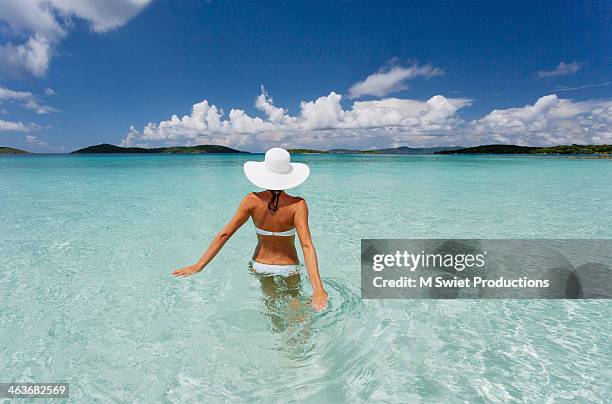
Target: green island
[344,151]
[106,148]
[404,150]
[603,149]
[574,149]
[10,150]
[306,151]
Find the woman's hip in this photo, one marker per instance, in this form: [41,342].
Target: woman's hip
[261,268]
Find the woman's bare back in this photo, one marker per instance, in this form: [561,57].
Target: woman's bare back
[278,250]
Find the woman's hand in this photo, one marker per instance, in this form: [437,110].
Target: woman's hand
[319,300]
[187,271]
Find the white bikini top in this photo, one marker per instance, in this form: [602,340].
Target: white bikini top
[290,232]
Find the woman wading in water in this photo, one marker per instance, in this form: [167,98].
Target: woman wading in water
[277,217]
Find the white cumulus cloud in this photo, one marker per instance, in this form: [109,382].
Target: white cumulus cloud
[321,121]
[33,140]
[104,15]
[26,99]
[12,126]
[390,80]
[549,121]
[325,123]
[562,69]
[36,27]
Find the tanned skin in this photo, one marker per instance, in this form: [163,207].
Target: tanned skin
[280,250]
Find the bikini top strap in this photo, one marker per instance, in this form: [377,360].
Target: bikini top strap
[290,232]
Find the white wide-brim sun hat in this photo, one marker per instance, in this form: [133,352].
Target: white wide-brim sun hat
[276,172]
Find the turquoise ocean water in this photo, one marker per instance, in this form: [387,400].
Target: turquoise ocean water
[87,244]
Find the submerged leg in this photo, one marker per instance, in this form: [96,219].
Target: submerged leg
[282,299]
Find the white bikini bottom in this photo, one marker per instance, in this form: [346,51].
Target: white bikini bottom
[271,269]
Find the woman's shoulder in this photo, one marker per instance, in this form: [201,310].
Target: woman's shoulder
[250,198]
[297,203]
[256,196]
[295,199]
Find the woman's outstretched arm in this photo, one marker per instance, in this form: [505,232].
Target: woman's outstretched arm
[319,296]
[241,216]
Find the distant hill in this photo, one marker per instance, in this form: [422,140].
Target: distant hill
[344,151]
[602,150]
[109,148]
[10,150]
[201,149]
[513,149]
[577,149]
[306,151]
[483,149]
[405,150]
[491,149]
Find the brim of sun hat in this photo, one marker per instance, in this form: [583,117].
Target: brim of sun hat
[259,175]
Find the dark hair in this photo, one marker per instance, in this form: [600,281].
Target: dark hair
[273,205]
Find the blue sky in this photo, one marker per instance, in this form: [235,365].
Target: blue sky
[336,74]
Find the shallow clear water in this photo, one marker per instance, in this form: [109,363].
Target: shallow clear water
[87,244]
